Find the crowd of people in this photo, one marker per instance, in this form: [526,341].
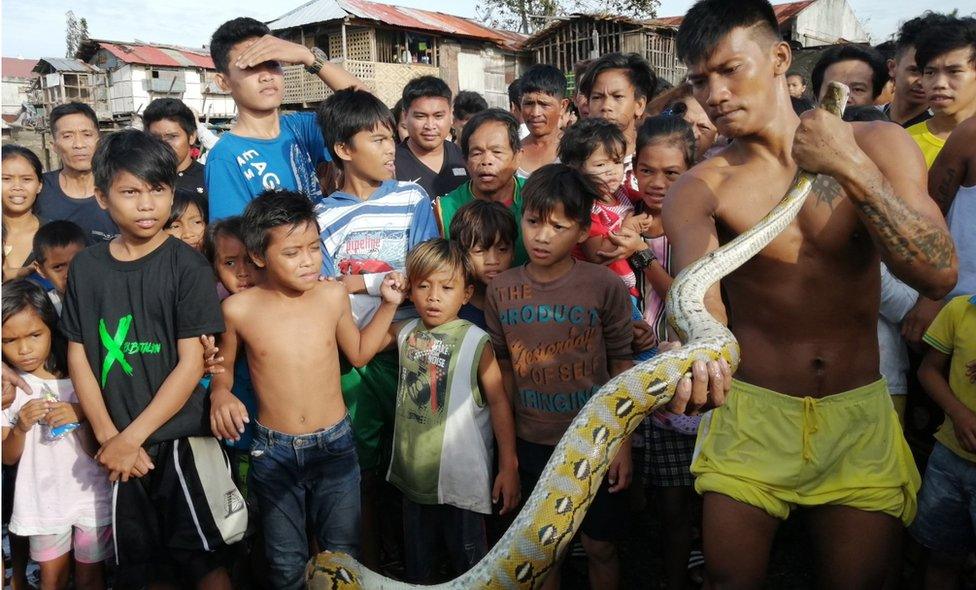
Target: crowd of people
[365,330]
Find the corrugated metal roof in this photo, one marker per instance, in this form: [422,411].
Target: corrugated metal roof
[63,64]
[13,67]
[314,11]
[150,54]
[318,11]
[784,12]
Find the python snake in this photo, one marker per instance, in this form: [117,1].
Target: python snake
[544,528]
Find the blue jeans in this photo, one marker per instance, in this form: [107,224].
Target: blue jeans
[426,526]
[946,520]
[305,482]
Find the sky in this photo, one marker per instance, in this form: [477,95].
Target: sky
[35,28]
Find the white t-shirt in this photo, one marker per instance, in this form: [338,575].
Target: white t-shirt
[897,299]
[59,485]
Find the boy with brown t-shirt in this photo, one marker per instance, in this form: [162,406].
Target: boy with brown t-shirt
[561,329]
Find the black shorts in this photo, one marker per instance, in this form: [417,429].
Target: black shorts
[164,524]
[602,521]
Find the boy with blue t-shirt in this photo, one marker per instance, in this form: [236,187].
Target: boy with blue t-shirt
[263,151]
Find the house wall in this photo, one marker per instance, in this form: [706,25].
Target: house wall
[14,93]
[128,90]
[826,21]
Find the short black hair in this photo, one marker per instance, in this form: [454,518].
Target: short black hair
[349,111]
[423,87]
[22,294]
[230,34]
[182,199]
[849,52]
[579,141]
[480,223]
[228,226]
[669,129]
[468,103]
[640,73]
[911,29]
[544,78]
[490,116]
[57,234]
[139,153]
[555,184]
[795,74]
[515,92]
[956,33]
[271,209]
[709,21]
[72,108]
[13,150]
[172,109]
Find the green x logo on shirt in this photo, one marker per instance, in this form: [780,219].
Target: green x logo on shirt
[113,347]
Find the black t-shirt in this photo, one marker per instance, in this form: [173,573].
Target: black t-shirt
[451,175]
[191,179]
[54,205]
[129,316]
[923,116]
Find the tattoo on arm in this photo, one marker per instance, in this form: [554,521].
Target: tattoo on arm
[944,194]
[904,233]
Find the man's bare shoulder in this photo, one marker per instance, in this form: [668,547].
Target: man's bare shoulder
[698,187]
[886,142]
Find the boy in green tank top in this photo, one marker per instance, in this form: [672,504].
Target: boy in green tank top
[450,398]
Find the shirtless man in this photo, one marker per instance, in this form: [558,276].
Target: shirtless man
[303,459]
[543,103]
[804,310]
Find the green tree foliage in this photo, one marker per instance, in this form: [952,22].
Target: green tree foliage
[528,16]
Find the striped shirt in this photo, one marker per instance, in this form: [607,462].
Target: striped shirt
[654,303]
[371,237]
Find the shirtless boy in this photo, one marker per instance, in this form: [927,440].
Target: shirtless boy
[807,421]
[303,459]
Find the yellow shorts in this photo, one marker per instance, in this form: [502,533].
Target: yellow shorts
[775,452]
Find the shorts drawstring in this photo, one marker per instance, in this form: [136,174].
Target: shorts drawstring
[809,425]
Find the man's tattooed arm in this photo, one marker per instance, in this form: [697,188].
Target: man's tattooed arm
[943,184]
[904,235]
[887,185]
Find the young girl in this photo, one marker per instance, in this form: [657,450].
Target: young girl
[188,218]
[21,185]
[665,151]
[596,148]
[62,502]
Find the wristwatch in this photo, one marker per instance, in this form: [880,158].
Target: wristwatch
[320,59]
[642,259]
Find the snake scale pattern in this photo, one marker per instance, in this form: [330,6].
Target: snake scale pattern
[545,527]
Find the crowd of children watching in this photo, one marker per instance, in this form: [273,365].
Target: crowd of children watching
[367,315]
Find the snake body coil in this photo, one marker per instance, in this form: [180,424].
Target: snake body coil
[554,511]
